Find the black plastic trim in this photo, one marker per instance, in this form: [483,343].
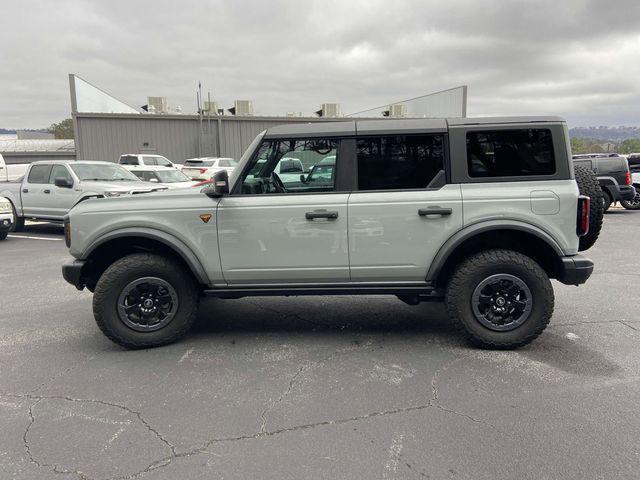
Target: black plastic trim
[72,273]
[575,270]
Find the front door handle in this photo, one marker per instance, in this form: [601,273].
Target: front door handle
[423,212]
[25,190]
[321,214]
[47,191]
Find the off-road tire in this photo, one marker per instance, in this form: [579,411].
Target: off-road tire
[606,201]
[132,267]
[632,204]
[18,222]
[471,272]
[589,186]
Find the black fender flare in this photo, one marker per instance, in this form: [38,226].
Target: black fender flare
[482,227]
[167,239]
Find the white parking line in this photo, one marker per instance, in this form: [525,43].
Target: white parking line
[36,238]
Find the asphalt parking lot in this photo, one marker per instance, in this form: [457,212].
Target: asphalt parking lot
[318,387]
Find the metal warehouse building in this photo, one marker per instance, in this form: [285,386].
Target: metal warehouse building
[106,127]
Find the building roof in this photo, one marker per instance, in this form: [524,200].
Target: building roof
[37,145]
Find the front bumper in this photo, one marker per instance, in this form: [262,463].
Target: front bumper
[72,273]
[575,270]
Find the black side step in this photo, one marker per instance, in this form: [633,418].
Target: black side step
[423,293]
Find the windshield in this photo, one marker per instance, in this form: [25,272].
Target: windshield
[171,176]
[100,172]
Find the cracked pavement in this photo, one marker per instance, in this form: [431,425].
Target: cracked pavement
[318,387]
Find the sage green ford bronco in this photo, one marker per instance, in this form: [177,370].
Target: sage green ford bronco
[478,213]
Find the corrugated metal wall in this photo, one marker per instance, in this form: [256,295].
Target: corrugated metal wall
[178,137]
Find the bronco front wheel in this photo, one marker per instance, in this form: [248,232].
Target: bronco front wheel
[145,300]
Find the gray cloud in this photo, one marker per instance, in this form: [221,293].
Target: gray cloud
[574,58]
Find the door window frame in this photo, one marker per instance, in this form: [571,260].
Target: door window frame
[345,164]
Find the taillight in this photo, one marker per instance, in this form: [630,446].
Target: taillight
[584,208]
[628,178]
[67,232]
[204,182]
[203,170]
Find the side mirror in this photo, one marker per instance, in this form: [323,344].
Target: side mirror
[303,178]
[219,185]
[62,182]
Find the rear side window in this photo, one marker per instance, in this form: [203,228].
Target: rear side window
[200,163]
[399,162]
[39,174]
[128,160]
[510,153]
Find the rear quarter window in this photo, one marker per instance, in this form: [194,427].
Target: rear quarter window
[510,153]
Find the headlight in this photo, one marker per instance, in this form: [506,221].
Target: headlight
[113,194]
[5,207]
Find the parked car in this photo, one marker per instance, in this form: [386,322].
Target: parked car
[204,168]
[613,175]
[6,217]
[165,176]
[145,159]
[51,188]
[634,162]
[11,171]
[476,212]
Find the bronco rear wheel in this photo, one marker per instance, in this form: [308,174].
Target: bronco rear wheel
[145,300]
[500,299]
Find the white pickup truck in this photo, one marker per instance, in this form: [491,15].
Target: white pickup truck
[11,171]
[49,189]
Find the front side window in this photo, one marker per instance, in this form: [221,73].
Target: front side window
[163,162]
[510,153]
[60,171]
[399,162]
[279,167]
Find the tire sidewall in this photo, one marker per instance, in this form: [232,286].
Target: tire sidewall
[106,304]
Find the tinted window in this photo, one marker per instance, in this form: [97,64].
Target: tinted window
[60,171]
[399,162]
[510,153]
[200,163]
[39,174]
[268,172]
[129,160]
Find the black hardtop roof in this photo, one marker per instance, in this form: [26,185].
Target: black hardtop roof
[350,127]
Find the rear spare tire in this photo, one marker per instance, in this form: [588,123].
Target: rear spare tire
[589,186]
[145,300]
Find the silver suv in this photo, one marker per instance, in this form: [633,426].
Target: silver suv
[478,213]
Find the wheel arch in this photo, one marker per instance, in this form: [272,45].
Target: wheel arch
[509,234]
[116,244]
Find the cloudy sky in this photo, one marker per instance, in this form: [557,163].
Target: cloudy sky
[575,58]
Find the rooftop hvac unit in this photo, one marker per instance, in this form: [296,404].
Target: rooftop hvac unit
[396,110]
[330,110]
[159,104]
[211,108]
[242,108]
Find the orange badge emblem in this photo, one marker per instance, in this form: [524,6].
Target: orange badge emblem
[205,217]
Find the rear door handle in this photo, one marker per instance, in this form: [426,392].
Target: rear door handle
[321,214]
[47,191]
[423,212]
